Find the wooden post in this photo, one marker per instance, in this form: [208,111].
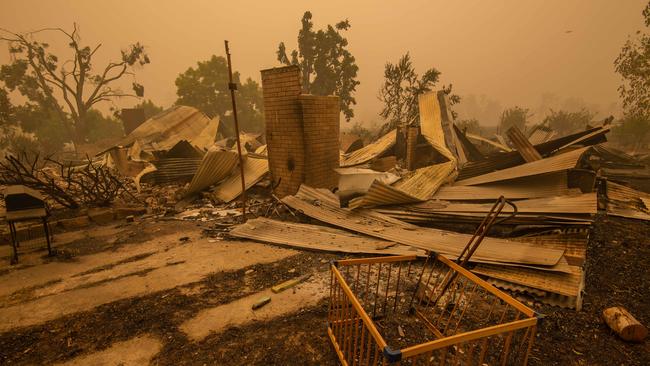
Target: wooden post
[232,86]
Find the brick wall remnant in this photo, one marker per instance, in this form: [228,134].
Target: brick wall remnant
[320,115]
[284,134]
[302,133]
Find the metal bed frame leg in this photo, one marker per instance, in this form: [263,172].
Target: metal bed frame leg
[46,227]
[14,242]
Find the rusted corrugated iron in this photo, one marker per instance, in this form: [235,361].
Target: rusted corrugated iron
[541,133]
[523,146]
[624,201]
[546,185]
[555,163]
[370,151]
[216,165]
[164,130]
[510,159]
[172,170]
[229,189]
[488,141]
[323,205]
[419,186]
[315,237]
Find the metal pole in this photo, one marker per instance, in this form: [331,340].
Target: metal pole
[232,86]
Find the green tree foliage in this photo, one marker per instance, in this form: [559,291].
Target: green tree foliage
[206,88]
[326,64]
[401,89]
[633,64]
[41,76]
[564,122]
[515,116]
[150,108]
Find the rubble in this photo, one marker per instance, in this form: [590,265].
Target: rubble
[419,190]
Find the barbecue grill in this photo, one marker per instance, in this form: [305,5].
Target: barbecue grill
[25,204]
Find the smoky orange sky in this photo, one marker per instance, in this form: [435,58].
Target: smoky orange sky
[537,54]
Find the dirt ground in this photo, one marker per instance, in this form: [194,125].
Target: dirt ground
[618,274]
[161,292]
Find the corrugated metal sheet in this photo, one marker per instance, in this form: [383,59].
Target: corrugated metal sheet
[549,298]
[541,134]
[585,138]
[555,163]
[418,186]
[436,125]
[500,161]
[323,205]
[215,166]
[172,170]
[567,284]
[574,244]
[583,204]
[314,237]
[577,209]
[229,189]
[547,185]
[523,146]
[370,151]
[626,202]
[472,153]
[488,141]
[164,130]
[430,118]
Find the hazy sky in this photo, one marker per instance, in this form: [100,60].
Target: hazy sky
[510,51]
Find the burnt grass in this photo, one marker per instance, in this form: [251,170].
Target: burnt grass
[618,265]
[298,338]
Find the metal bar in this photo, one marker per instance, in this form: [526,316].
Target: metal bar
[467,304]
[362,313]
[506,347]
[394,258]
[467,336]
[390,269]
[356,281]
[14,242]
[232,86]
[374,307]
[356,339]
[498,293]
[336,347]
[533,330]
[399,272]
[417,285]
[365,298]
[362,344]
[46,228]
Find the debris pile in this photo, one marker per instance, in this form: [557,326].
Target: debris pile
[421,196]
[419,187]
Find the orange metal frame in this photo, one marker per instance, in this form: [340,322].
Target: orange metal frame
[357,340]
